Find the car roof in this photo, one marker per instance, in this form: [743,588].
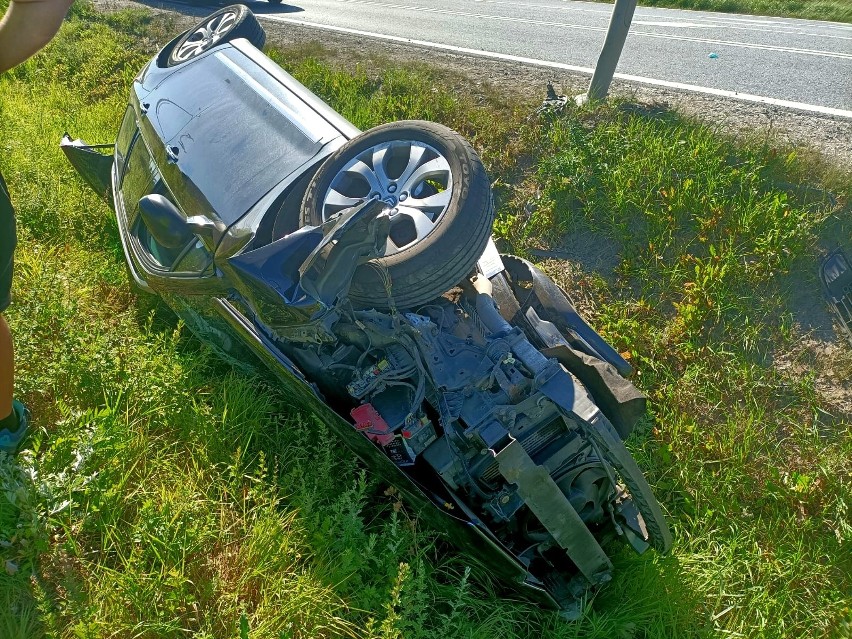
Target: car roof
[238,125]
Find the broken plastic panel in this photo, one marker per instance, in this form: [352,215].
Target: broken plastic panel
[93,162]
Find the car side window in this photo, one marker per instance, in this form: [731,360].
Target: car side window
[141,177]
[126,135]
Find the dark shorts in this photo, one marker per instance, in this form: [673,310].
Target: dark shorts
[8,240]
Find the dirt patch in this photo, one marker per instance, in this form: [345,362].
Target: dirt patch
[821,348]
[830,364]
[591,251]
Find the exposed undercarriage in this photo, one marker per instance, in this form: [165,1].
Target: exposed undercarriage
[472,410]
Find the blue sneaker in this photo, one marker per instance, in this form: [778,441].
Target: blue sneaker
[9,440]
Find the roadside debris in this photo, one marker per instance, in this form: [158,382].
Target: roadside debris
[553,104]
[835,273]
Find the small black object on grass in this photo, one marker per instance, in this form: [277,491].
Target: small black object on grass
[835,273]
[554,104]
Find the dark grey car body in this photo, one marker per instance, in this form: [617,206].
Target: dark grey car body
[507,407]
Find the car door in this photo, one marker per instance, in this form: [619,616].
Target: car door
[179,262]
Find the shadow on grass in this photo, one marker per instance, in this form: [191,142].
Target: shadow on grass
[651,111]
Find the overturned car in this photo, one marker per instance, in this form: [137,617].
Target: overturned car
[359,268]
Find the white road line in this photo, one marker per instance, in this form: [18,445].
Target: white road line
[678,25]
[708,21]
[711,15]
[813,108]
[583,27]
[732,27]
[746,45]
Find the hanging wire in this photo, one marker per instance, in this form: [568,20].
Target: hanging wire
[387,283]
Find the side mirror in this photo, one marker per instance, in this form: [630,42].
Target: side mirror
[203,226]
[164,221]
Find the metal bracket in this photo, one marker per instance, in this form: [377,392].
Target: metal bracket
[356,235]
[555,512]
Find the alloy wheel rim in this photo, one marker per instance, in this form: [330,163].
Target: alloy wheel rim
[206,36]
[411,177]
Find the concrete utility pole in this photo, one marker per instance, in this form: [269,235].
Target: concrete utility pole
[619,25]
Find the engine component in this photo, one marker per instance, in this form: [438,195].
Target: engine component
[364,380]
[403,446]
[415,436]
[445,461]
[369,422]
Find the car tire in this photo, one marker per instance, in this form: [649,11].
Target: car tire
[437,236]
[224,25]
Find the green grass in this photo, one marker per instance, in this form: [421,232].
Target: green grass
[165,495]
[832,10]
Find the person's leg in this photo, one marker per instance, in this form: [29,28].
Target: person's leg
[8,239]
[13,424]
[13,415]
[7,369]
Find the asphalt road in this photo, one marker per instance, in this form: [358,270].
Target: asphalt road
[800,63]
